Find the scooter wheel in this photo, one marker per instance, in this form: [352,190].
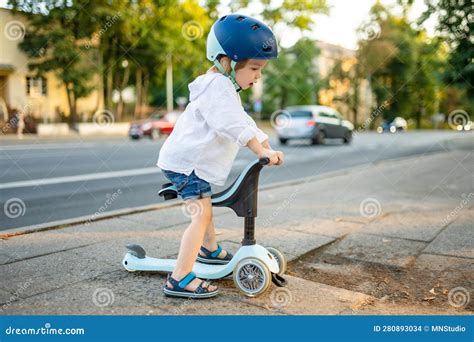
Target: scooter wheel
[280,258]
[252,277]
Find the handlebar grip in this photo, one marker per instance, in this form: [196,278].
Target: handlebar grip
[264,161]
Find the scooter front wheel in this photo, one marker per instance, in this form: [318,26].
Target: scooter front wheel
[252,277]
[280,258]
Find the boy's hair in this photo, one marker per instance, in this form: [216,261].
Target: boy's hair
[225,62]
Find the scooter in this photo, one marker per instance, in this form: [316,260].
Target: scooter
[253,267]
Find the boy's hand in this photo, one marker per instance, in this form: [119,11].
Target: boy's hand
[276,157]
[280,157]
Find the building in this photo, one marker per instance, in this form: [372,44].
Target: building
[339,91]
[43,97]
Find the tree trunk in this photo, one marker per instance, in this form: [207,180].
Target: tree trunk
[419,114]
[72,107]
[146,86]
[111,70]
[356,94]
[169,83]
[123,84]
[283,98]
[100,88]
[110,84]
[138,93]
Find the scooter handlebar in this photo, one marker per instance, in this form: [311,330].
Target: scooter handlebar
[264,161]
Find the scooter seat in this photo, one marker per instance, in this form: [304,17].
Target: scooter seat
[241,196]
[168,191]
[237,188]
[223,198]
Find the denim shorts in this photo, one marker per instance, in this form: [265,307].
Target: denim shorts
[189,187]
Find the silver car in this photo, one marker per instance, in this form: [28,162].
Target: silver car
[317,123]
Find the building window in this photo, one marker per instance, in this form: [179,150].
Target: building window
[36,86]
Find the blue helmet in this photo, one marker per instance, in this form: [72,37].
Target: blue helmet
[240,37]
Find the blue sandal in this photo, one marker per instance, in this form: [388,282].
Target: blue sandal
[178,290]
[212,257]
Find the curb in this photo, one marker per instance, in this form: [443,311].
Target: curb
[83,219]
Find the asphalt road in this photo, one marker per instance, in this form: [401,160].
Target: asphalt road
[43,181]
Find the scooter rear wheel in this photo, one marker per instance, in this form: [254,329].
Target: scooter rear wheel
[125,263]
[252,277]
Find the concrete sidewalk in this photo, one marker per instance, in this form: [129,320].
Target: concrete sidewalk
[414,215]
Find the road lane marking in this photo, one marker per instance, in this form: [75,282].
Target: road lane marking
[47,146]
[91,177]
[80,178]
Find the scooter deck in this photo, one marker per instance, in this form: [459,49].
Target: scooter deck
[136,260]
[132,263]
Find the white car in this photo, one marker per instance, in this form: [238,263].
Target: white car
[311,122]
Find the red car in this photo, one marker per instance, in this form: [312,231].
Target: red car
[155,126]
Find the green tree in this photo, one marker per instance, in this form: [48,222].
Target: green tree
[426,84]
[292,79]
[292,13]
[456,25]
[186,26]
[149,35]
[403,66]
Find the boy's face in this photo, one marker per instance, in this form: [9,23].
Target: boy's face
[247,76]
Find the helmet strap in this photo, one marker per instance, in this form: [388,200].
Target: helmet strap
[231,76]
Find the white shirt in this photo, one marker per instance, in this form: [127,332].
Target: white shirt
[207,136]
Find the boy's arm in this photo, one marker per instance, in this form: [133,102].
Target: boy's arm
[255,146]
[276,157]
[266,144]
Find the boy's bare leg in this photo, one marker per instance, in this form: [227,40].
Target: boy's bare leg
[192,240]
[210,242]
